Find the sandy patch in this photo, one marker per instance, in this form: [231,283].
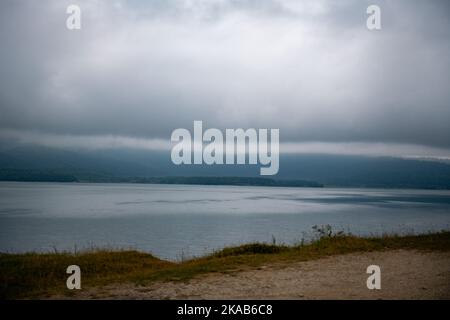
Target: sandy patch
[405,274]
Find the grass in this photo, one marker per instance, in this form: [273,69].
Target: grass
[34,275]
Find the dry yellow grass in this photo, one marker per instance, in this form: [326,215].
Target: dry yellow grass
[39,275]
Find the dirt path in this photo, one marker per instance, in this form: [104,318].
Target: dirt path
[404,275]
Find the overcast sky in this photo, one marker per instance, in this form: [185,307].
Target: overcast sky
[139,69]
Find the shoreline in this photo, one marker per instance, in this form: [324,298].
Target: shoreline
[86,182]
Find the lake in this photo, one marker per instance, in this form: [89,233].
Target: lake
[180,221]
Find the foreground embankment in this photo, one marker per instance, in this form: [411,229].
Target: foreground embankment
[333,266]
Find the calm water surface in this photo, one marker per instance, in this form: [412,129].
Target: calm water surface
[175,221]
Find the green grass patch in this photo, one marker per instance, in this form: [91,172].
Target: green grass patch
[35,275]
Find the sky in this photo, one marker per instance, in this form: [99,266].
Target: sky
[137,70]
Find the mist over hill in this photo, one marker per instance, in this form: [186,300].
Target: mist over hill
[32,163]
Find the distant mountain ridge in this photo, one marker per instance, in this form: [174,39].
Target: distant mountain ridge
[41,164]
[51,176]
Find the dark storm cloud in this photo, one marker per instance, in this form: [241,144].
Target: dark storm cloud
[310,68]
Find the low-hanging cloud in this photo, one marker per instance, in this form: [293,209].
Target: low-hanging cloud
[140,69]
[107,142]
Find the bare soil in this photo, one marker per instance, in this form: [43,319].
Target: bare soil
[405,274]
